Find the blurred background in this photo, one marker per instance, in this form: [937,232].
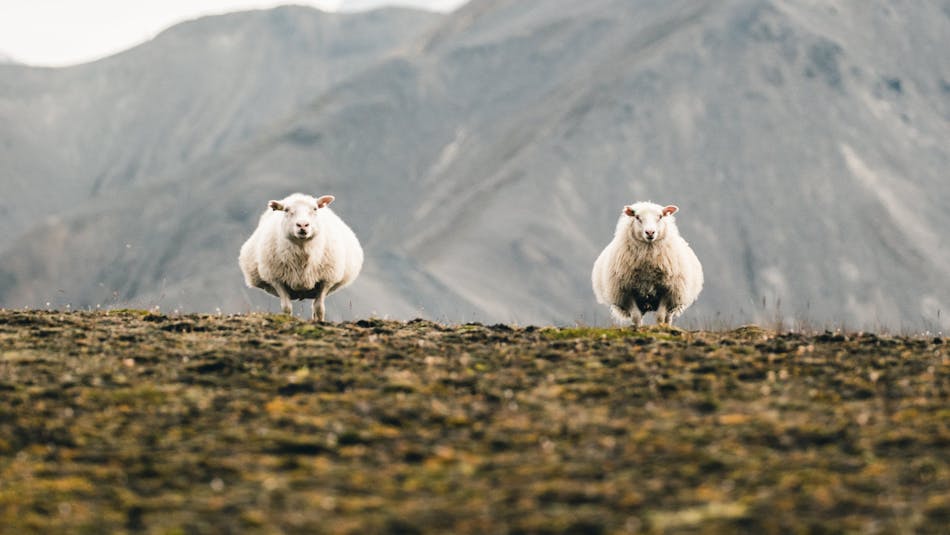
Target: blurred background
[482,152]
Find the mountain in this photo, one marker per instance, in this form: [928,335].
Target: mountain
[197,89]
[484,164]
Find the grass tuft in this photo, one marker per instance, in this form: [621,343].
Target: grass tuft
[129,312]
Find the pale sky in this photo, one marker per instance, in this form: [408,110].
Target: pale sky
[66,32]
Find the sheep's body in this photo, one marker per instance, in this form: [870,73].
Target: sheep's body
[289,265]
[647,267]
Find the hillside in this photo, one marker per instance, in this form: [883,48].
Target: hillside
[484,165]
[82,135]
[138,422]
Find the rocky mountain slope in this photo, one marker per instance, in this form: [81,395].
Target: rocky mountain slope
[84,133]
[485,162]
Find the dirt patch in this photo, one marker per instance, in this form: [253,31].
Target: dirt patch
[138,422]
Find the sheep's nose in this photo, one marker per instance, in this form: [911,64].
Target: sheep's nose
[303,225]
[650,233]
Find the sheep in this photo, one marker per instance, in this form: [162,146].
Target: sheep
[301,250]
[647,267]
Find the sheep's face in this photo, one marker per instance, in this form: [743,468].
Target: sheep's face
[649,222]
[300,221]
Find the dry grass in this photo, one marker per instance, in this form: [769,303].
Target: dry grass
[137,422]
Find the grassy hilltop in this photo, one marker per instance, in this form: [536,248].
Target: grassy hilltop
[129,421]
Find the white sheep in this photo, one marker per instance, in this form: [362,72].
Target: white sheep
[647,267]
[301,250]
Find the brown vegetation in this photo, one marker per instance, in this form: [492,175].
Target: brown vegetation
[130,421]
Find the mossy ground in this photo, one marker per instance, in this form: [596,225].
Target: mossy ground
[144,423]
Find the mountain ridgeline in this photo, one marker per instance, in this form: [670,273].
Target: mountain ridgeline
[483,157]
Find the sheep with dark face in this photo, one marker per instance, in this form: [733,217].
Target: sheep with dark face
[647,267]
[301,250]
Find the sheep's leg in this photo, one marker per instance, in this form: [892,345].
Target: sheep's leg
[319,309]
[668,312]
[285,304]
[636,317]
[675,312]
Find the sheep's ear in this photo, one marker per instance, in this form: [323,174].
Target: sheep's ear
[670,210]
[629,211]
[276,206]
[325,200]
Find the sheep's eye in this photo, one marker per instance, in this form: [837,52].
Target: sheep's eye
[640,219]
